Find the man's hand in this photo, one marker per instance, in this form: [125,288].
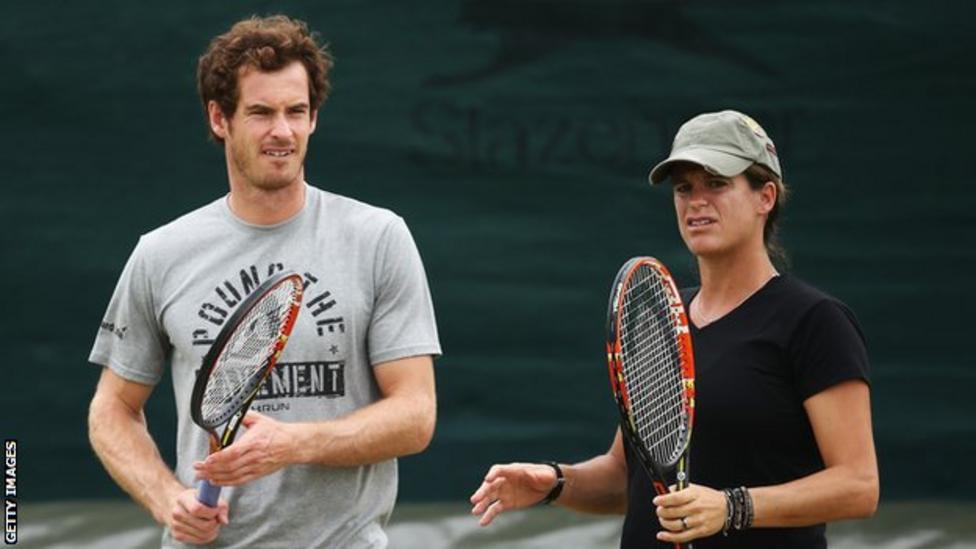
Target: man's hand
[190,521]
[266,446]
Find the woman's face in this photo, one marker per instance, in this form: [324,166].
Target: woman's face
[719,216]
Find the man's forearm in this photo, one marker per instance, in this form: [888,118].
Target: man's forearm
[391,427]
[123,444]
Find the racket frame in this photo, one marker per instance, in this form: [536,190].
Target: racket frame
[208,493]
[659,473]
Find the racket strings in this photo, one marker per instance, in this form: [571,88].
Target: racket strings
[652,366]
[246,353]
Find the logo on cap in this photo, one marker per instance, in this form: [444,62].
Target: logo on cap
[753,125]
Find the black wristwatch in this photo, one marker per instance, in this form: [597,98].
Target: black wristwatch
[558,488]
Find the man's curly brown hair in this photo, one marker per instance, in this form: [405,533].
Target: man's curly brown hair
[267,44]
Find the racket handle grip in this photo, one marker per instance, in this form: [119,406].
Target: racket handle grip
[208,494]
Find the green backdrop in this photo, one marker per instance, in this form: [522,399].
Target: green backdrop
[515,138]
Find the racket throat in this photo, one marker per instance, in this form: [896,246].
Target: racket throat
[231,429]
[681,474]
[214,443]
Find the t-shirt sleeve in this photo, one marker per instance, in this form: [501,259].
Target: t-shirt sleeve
[130,340]
[403,323]
[828,348]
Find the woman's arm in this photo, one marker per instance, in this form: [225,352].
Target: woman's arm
[846,488]
[598,485]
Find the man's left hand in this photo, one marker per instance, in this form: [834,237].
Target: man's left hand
[266,446]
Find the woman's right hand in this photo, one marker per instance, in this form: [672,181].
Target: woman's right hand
[511,486]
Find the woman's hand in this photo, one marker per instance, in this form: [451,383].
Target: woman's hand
[692,513]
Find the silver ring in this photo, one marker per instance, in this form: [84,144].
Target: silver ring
[684,523]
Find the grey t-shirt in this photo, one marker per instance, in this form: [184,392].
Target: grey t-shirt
[366,302]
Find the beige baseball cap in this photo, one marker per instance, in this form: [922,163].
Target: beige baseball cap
[724,143]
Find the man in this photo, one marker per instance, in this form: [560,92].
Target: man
[353,390]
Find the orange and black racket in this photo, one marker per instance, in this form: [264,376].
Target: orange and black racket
[652,369]
[240,359]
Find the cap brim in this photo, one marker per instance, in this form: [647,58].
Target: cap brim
[716,162]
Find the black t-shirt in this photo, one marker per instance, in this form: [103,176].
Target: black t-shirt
[754,367]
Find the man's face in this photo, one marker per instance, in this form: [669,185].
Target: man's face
[266,138]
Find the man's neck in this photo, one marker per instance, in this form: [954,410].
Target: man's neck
[267,207]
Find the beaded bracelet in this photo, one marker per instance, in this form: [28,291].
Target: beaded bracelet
[750,510]
[730,510]
[741,510]
[740,504]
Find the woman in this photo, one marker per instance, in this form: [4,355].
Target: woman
[782,441]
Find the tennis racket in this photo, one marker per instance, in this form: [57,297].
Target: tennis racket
[240,359]
[652,369]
